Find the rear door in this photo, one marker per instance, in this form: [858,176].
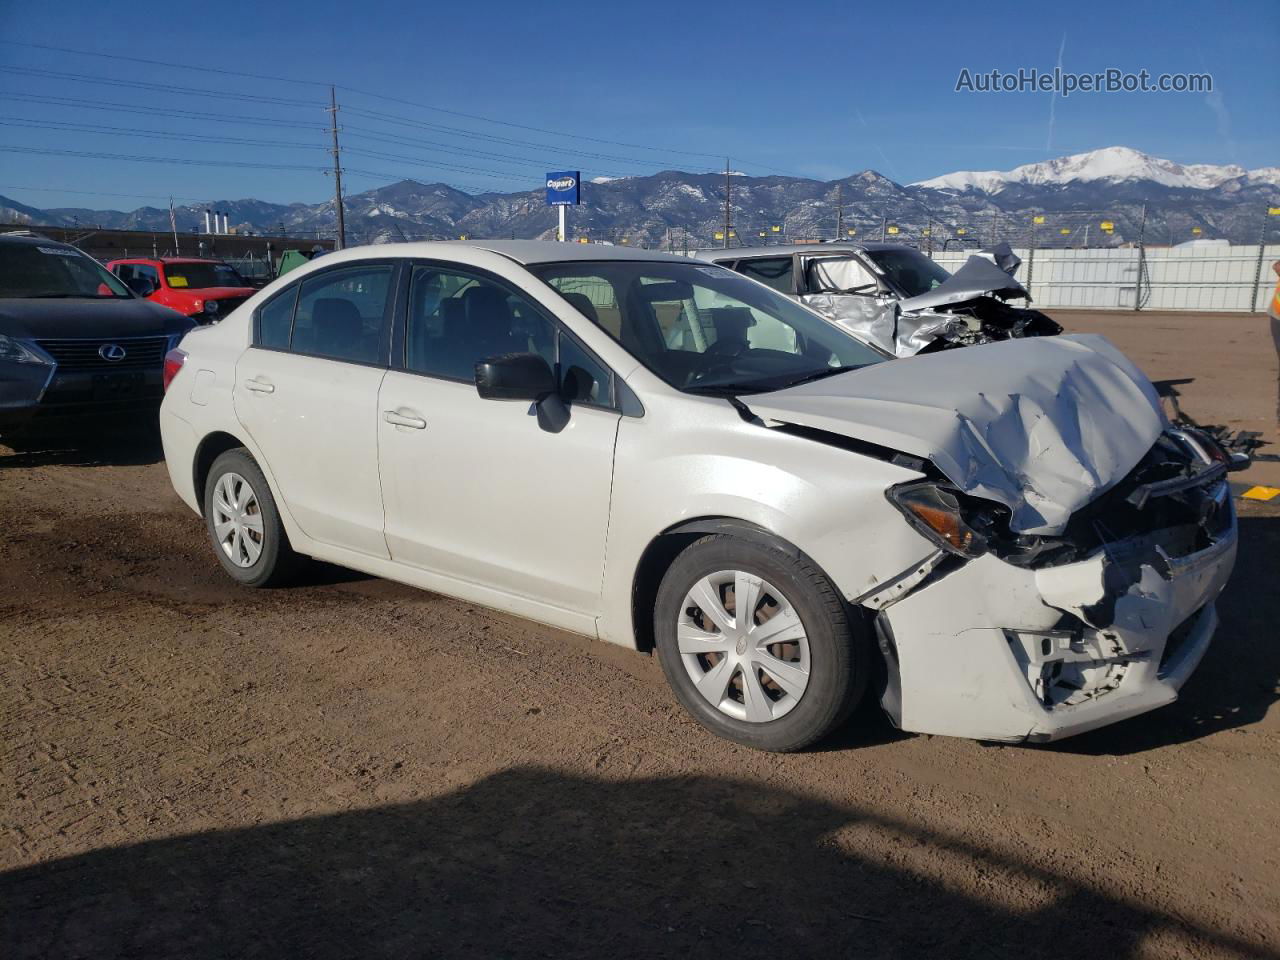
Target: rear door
[307,392]
[477,489]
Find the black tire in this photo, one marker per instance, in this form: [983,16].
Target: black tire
[839,650]
[277,563]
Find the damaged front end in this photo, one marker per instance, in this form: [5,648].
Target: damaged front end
[1016,636]
[966,309]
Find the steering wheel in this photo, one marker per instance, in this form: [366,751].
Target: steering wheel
[721,355]
[728,349]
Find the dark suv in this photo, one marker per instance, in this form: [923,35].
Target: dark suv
[75,343]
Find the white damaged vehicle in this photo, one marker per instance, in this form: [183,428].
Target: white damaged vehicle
[663,454]
[896,297]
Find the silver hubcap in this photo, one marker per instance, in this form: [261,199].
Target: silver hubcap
[743,646]
[237,520]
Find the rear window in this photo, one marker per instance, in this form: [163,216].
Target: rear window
[201,276]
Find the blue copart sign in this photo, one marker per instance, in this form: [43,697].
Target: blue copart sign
[564,188]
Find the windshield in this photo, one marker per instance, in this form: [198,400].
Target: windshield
[703,328]
[51,270]
[199,276]
[910,272]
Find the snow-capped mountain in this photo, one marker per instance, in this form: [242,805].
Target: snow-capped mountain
[1111,165]
[1165,202]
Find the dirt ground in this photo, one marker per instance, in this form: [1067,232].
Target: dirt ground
[358,769]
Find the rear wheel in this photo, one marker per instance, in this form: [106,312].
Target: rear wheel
[244,523]
[757,644]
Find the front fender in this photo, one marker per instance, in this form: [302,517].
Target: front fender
[826,501]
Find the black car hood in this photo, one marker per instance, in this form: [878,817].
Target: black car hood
[88,318]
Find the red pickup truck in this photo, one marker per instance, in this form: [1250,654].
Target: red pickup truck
[204,290]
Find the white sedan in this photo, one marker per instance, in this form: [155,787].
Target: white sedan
[667,455]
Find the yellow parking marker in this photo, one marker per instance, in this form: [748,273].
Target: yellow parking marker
[1261,493]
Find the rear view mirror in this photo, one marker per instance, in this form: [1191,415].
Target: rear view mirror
[666,291]
[515,376]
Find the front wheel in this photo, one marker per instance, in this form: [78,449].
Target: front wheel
[757,644]
[244,523]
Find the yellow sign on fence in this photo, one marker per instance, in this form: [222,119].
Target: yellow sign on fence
[893,229]
[1107,225]
[1037,219]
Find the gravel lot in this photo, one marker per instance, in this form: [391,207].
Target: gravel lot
[356,768]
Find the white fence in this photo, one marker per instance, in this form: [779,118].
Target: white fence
[1187,278]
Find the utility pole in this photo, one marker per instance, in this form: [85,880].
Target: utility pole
[173,225]
[341,240]
[1257,269]
[884,221]
[839,211]
[1142,261]
[728,197]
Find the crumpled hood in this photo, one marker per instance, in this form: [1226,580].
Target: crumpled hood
[1042,425]
[979,277]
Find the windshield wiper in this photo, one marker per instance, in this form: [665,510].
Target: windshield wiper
[721,389]
[821,375]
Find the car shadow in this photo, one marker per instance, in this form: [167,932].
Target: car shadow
[112,447]
[534,862]
[1239,679]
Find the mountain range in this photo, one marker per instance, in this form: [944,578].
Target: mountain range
[1060,200]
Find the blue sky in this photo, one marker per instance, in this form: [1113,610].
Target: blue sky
[817,89]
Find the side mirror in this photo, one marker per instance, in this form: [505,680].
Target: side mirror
[515,376]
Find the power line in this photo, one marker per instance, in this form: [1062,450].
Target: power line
[470,134]
[161,63]
[161,87]
[160,112]
[354,90]
[152,134]
[522,126]
[146,159]
[101,193]
[414,161]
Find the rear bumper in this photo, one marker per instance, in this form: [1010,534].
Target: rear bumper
[992,651]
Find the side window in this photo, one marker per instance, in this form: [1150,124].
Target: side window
[148,273]
[840,275]
[456,319]
[595,299]
[774,271]
[341,313]
[275,320]
[124,271]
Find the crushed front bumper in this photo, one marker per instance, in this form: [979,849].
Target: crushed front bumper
[993,651]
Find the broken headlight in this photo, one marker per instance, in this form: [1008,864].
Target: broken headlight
[956,522]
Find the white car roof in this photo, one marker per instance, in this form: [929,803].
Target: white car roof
[521,251]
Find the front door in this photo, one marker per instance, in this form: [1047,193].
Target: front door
[307,392]
[476,489]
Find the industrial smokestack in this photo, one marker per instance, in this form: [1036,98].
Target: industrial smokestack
[206,220]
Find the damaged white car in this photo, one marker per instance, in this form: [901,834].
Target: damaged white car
[660,453]
[896,297]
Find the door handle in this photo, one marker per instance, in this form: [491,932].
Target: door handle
[260,386]
[400,420]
